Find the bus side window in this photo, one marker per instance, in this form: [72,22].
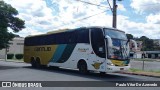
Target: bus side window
[73,37]
[83,36]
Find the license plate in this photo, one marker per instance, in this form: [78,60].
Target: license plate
[121,68]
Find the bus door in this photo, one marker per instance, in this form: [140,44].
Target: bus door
[98,55]
[97,63]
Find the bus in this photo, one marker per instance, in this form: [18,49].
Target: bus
[95,48]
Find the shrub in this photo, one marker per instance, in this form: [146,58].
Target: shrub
[19,56]
[10,56]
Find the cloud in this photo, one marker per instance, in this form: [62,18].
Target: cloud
[146,6]
[153,19]
[42,16]
[138,29]
[121,7]
[149,8]
[35,13]
[27,31]
[71,11]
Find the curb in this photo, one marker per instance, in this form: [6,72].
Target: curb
[13,61]
[132,73]
[150,60]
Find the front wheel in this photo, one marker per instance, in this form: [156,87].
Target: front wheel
[102,73]
[83,68]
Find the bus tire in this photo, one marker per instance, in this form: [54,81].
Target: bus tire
[82,66]
[102,73]
[38,63]
[33,63]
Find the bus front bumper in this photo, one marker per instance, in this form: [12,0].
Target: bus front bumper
[111,68]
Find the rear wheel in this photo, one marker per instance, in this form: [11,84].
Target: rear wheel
[38,63]
[83,68]
[33,63]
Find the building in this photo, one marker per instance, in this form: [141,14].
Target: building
[144,54]
[156,42]
[15,47]
[153,54]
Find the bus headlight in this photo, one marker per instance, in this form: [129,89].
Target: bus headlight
[111,64]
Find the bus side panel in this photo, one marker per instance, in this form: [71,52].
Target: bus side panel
[62,55]
[80,52]
[44,53]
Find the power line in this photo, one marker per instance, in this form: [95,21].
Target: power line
[91,3]
[81,19]
[110,5]
[91,16]
[84,17]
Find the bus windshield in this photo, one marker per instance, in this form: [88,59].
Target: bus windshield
[119,50]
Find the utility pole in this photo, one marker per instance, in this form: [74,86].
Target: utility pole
[6,54]
[114,22]
[114,12]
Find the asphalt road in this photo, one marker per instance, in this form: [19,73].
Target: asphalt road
[11,71]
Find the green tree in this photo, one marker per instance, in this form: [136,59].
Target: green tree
[129,36]
[8,19]
[147,43]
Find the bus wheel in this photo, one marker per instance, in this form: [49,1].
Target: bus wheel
[38,63]
[33,63]
[102,73]
[83,68]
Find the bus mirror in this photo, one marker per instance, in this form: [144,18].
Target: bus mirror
[128,41]
[109,41]
[135,44]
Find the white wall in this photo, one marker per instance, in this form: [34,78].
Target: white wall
[16,47]
[2,54]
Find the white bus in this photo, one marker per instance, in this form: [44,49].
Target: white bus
[98,49]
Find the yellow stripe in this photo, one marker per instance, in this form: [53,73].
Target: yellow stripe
[118,62]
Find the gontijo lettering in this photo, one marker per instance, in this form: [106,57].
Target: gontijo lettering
[42,49]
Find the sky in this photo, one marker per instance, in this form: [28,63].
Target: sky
[136,17]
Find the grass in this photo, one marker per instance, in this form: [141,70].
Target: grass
[156,71]
[134,70]
[138,71]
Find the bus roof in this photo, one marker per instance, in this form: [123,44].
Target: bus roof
[64,30]
[58,31]
[106,28]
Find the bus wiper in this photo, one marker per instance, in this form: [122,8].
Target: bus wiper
[124,51]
